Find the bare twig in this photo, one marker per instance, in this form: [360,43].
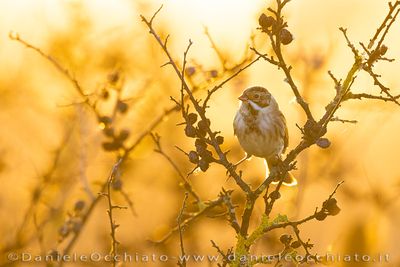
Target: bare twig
[201,111]
[45,180]
[128,200]
[343,120]
[226,197]
[220,85]
[312,132]
[380,85]
[361,96]
[187,185]
[224,256]
[15,37]
[110,212]
[276,46]
[208,206]
[182,262]
[388,17]
[221,57]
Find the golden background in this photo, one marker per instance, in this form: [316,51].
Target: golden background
[94,38]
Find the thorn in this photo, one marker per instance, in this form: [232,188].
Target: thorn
[165,64]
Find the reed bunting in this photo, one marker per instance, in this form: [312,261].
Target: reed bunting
[261,128]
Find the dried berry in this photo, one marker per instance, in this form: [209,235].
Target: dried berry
[323,143]
[64,230]
[123,135]
[122,107]
[108,131]
[207,155]
[79,205]
[105,119]
[313,129]
[331,206]
[117,184]
[320,216]
[193,157]
[200,143]
[191,118]
[203,125]
[295,244]
[105,94]
[36,194]
[201,149]
[190,71]
[329,203]
[201,133]
[266,21]
[286,37]
[383,49]
[285,239]
[113,77]
[220,140]
[214,73]
[334,211]
[262,20]
[190,131]
[275,195]
[110,146]
[76,226]
[204,165]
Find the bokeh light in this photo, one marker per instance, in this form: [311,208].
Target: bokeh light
[51,141]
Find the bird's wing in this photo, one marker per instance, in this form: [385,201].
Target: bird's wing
[235,124]
[286,134]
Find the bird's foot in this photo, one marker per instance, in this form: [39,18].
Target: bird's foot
[278,167]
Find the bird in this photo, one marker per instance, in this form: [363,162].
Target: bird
[261,129]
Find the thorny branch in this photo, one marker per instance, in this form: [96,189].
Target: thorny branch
[208,206]
[45,180]
[224,256]
[186,184]
[313,131]
[64,71]
[199,109]
[221,57]
[361,96]
[110,212]
[117,139]
[182,263]
[127,150]
[226,198]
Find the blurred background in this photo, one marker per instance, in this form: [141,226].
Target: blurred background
[51,144]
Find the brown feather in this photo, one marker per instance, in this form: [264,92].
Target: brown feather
[261,127]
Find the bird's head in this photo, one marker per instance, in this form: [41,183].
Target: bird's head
[258,97]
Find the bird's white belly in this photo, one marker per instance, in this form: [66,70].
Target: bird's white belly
[262,143]
[259,145]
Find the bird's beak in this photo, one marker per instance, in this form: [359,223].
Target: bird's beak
[243,98]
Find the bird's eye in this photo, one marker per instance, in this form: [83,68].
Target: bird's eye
[256,96]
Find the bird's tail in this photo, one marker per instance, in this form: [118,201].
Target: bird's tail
[289,179]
